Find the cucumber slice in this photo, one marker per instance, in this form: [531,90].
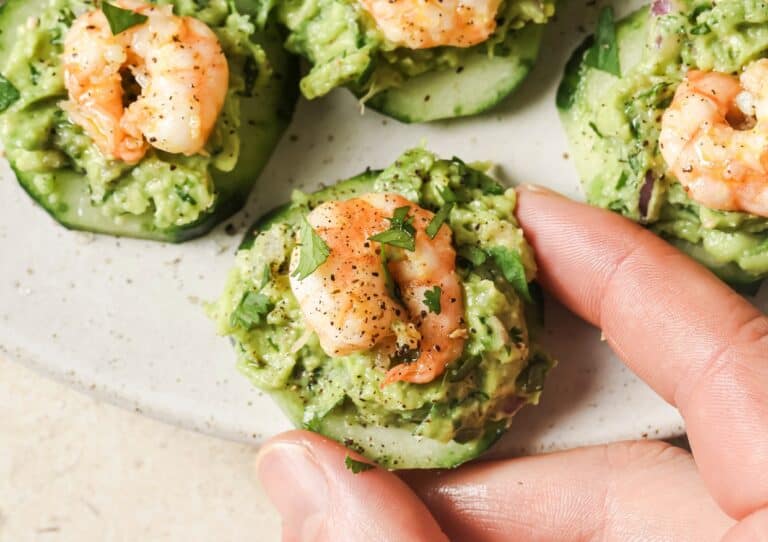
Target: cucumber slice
[481,83]
[608,119]
[264,117]
[438,425]
[403,450]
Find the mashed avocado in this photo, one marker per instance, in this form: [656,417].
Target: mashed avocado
[346,48]
[61,167]
[441,423]
[613,124]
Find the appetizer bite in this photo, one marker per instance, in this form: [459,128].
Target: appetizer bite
[140,119]
[392,312]
[667,115]
[417,60]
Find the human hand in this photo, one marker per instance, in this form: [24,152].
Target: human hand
[701,346]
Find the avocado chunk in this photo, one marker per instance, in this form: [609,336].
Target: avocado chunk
[613,124]
[164,197]
[400,425]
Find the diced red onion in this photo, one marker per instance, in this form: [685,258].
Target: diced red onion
[646,192]
[661,7]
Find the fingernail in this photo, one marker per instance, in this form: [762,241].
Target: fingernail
[296,485]
[540,190]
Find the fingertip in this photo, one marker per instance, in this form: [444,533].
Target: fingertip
[306,477]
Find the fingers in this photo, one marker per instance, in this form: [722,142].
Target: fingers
[321,500]
[628,491]
[696,342]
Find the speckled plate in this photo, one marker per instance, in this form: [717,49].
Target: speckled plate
[124,319]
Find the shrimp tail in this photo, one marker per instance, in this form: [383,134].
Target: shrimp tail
[423,370]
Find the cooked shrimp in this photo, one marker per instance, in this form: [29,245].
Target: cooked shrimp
[714,138]
[346,300]
[178,66]
[420,24]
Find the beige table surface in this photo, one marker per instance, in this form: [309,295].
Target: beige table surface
[75,469]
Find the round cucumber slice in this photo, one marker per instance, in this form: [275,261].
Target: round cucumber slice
[264,115]
[440,424]
[479,84]
[612,124]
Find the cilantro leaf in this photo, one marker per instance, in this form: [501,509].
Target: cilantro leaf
[604,54]
[461,368]
[396,238]
[120,19]
[432,299]
[251,309]
[404,354]
[401,232]
[439,219]
[531,379]
[511,266]
[8,94]
[392,288]
[313,251]
[357,466]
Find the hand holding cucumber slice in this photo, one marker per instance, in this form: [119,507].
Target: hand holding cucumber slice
[325,315]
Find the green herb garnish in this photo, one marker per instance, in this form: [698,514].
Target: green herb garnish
[604,54]
[251,309]
[8,94]
[404,354]
[460,369]
[439,219]
[401,232]
[432,299]
[120,19]
[531,379]
[511,266]
[313,251]
[357,466]
[392,288]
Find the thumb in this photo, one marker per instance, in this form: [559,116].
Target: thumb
[321,500]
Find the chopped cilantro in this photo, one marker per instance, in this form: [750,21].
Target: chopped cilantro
[120,19]
[8,94]
[392,288]
[401,232]
[604,54]
[448,195]
[439,219]
[404,354]
[460,369]
[251,309]
[313,251]
[531,379]
[432,299]
[357,466]
[511,266]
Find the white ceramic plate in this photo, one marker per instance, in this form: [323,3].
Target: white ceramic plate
[123,319]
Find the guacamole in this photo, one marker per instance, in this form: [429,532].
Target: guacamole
[346,48]
[165,196]
[400,425]
[613,124]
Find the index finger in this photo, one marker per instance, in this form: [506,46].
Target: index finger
[700,345]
